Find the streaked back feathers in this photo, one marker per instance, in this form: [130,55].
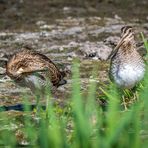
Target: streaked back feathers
[28,62]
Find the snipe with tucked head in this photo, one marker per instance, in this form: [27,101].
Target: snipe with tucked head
[32,69]
[127,66]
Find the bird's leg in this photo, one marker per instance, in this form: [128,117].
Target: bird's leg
[135,96]
[124,103]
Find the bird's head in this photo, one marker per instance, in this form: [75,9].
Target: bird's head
[15,68]
[127,34]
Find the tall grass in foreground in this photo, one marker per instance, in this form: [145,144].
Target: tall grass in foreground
[82,123]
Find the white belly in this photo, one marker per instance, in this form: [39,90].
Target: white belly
[128,75]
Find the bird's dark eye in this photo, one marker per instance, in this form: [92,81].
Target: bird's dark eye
[130,31]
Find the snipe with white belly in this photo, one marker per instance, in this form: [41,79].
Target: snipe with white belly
[34,70]
[127,67]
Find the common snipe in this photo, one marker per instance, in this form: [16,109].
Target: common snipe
[32,69]
[127,66]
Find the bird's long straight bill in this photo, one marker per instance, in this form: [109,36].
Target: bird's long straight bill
[116,49]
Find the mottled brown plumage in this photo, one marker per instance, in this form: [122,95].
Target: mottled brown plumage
[127,66]
[33,69]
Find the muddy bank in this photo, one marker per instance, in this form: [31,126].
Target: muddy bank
[65,30]
[90,39]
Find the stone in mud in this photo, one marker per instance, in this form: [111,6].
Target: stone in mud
[103,52]
[2,55]
[97,50]
[67,10]
[40,23]
[2,71]
[46,27]
[112,40]
[73,31]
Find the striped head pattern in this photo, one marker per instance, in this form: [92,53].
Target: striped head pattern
[127,38]
[127,34]
[126,42]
